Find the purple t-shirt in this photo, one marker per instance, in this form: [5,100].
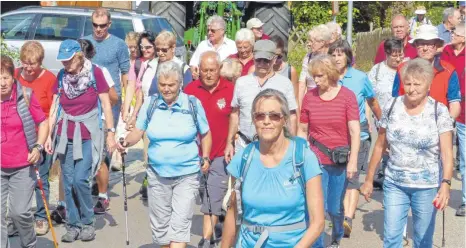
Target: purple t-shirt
[82,104]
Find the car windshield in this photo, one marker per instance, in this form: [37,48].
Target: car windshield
[156,25]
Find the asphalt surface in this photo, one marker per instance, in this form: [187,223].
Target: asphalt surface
[110,227]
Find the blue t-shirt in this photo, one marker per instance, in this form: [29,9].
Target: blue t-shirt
[270,199]
[172,134]
[113,54]
[358,82]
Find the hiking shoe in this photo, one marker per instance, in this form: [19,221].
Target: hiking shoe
[460,210]
[334,244]
[41,227]
[143,192]
[72,234]
[87,233]
[348,227]
[95,190]
[59,215]
[101,206]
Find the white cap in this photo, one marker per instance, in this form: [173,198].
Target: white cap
[254,23]
[420,10]
[426,32]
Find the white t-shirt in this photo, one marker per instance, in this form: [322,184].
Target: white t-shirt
[382,77]
[227,48]
[108,79]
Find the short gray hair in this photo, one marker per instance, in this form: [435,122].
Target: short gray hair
[216,19]
[448,12]
[320,32]
[207,53]
[280,97]
[334,28]
[169,68]
[245,34]
[231,69]
[418,68]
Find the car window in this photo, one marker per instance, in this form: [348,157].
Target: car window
[119,27]
[58,27]
[156,25]
[16,26]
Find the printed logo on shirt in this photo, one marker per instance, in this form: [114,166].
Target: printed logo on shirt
[289,184]
[221,103]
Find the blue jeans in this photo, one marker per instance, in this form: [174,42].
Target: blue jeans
[461,137]
[334,184]
[44,169]
[76,178]
[397,200]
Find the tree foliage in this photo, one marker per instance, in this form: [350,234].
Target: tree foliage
[12,52]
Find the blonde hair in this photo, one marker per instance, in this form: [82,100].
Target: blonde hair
[166,37]
[231,69]
[325,64]
[32,51]
[132,36]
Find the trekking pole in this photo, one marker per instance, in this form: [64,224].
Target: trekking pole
[123,154]
[42,193]
[443,229]
[210,208]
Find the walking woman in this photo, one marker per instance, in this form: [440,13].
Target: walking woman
[174,163]
[80,97]
[418,130]
[330,120]
[21,148]
[40,80]
[280,183]
[244,40]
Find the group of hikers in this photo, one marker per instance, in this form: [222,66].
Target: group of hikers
[270,152]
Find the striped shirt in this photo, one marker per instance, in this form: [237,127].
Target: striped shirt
[328,120]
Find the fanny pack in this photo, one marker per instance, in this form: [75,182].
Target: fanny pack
[338,155]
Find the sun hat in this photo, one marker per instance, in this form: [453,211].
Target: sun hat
[254,23]
[68,48]
[420,10]
[426,32]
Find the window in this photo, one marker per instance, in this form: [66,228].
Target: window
[156,25]
[16,26]
[119,27]
[59,27]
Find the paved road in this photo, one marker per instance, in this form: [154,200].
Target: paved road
[367,227]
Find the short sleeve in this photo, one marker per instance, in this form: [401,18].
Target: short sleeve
[142,116]
[311,165]
[444,121]
[368,90]
[108,77]
[352,109]
[453,92]
[372,75]
[304,117]
[304,67]
[132,73]
[36,111]
[234,167]
[101,83]
[235,99]
[201,118]
[290,97]
[195,58]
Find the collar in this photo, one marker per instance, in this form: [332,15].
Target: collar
[179,101]
[349,73]
[222,84]
[223,43]
[451,51]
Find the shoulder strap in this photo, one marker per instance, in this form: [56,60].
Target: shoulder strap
[377,72]
[193,108]
[137,66]
[289,72]
[299,146]
[246,159]
[436,111]
[152,107]
[391,108]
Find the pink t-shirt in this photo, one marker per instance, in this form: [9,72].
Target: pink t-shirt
[13,141]
[328,120]
[132,73]
[82,104]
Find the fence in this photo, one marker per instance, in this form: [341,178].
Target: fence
[297,37]
[365,46]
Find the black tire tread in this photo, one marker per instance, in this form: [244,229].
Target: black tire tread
[277,19]
[175,13]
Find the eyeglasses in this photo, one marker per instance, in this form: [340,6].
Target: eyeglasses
[279,56]
[29,65]
[261,60]
[213,30]
[428,45]
[145,47]
[163,50]
[273,116]
[102,26]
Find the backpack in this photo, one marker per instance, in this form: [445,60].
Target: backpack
[299,147]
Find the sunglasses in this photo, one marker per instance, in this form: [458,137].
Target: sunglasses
[279,56]
[213,30]
[102,26]
[145,47]
[163,50]
[273,116]
[265,61]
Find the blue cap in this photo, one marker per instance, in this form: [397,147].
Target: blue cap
[68,48]
[462,3]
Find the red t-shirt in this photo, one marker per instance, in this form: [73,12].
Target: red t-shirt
[265,37]
[217,106]
[409,51]
[458,61]
[42,88]
[328,120]
[246,66]
[13,141]
[82,104]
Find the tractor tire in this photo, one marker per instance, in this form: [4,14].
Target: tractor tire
[174,12]
[277,19]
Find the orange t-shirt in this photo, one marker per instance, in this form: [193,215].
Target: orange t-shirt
[42,88]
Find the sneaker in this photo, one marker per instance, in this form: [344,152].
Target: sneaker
[102,206]
[460,210]
[205,243]
[348,227]
[95,190]
[41,227]
[59,215]
[72,234]
[143,192]
[116,166]
[334,244]
[87,233]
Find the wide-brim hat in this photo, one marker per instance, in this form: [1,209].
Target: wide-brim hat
[68,48]
[426,32]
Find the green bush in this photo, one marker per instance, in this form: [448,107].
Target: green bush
[296,55]
[12,52]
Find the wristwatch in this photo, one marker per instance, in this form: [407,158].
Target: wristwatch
[447,182]
[111,130]
[206,159]
[39,147]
